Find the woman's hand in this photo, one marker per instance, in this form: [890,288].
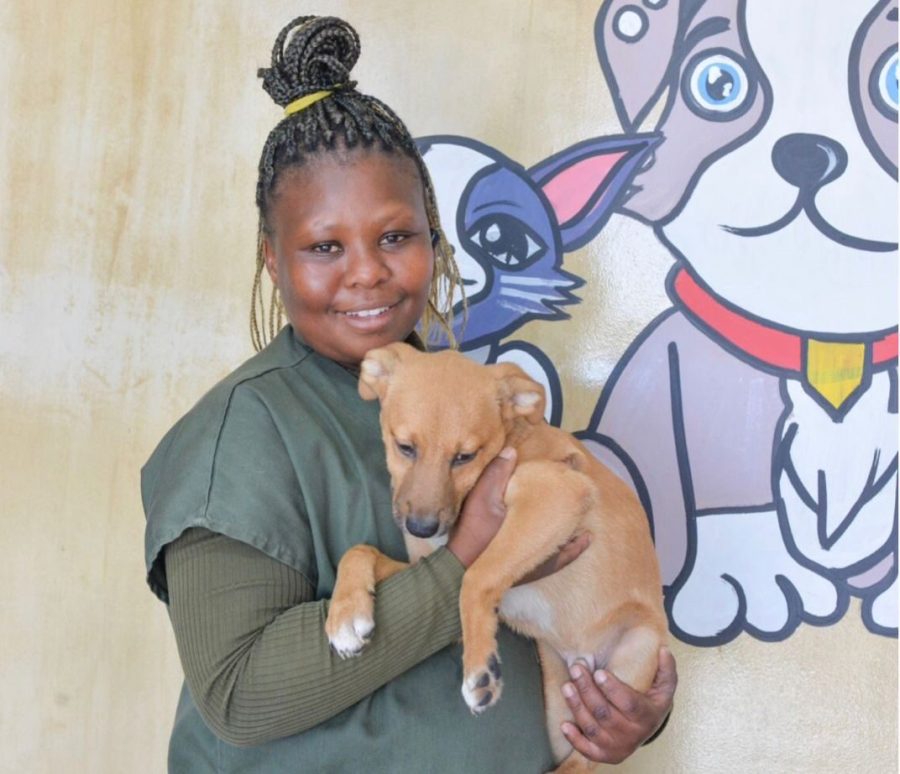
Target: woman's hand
[611,719]
[568,552]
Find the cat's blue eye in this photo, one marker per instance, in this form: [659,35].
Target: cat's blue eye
[506,240]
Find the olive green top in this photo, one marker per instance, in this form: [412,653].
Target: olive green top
[258,491]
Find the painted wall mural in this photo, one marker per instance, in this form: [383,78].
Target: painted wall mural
[757,417]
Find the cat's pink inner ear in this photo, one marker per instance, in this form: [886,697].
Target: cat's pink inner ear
[570,190]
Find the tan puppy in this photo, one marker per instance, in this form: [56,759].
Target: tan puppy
[444,418]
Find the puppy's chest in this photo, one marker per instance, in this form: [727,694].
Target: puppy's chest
[419,548]
[527,610]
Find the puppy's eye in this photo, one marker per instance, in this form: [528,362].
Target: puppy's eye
[883,83]
[407,450]
[462,459]
[715,85]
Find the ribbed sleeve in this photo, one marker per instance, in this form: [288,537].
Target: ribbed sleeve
[252,640]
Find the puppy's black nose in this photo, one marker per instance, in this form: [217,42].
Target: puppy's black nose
[422,526]
[809,161]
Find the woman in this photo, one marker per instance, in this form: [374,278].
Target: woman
[254,495]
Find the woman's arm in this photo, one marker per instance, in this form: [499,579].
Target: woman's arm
[252,641]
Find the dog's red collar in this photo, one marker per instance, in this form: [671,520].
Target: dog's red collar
[836,369]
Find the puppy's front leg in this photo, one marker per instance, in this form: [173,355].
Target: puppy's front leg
[534,527]
[351,618]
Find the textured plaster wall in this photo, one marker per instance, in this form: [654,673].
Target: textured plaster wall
[129,143]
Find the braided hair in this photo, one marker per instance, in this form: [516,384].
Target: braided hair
[313,54]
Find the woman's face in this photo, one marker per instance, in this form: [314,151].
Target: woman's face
[349,247]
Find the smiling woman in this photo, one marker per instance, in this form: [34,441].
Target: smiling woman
[348,244]
[258,491]
[326,118]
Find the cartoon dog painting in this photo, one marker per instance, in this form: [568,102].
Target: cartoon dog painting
[757,417]
[510,228]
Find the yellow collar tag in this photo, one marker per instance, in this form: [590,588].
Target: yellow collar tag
[835,368]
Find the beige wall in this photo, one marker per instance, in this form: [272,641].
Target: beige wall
[130,138]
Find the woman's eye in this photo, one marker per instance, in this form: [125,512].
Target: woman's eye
[407,450]
[394,238]
[463,458]
[325,248]
[716,85]
[883,83]
[507,241]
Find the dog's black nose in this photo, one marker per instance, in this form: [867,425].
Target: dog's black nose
[422,526]
[809,161]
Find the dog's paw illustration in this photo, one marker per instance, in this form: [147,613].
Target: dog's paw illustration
[743,578]
[350,623]
[880,611]
[482,687]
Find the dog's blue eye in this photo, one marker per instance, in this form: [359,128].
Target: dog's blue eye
[507,241]
[715,85]
[883,83]
[462,459]
[407,450]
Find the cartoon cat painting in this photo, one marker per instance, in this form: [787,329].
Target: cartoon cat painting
[511,227]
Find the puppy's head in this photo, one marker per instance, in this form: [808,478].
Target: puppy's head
[443,419]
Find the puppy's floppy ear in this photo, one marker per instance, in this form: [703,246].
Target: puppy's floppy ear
[518,394]
[378,367]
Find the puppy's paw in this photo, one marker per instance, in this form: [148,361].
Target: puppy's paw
[482,687]
[350,624]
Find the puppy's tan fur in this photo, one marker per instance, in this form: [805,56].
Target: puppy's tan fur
[444,418]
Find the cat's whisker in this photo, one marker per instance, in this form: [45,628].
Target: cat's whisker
[506,279]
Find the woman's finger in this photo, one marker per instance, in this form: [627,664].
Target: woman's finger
[619,695]
[589,700]
[585,746]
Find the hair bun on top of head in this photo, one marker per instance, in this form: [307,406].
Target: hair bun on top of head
[320,54]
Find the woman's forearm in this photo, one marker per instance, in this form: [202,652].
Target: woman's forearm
[252,641]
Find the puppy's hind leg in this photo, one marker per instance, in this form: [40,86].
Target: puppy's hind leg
[534,527]
[635,657]
[351,618]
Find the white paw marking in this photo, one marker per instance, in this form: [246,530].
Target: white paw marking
[481,689]
[353,636]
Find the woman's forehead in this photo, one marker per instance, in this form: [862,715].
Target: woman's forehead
[366,183]
[329,164]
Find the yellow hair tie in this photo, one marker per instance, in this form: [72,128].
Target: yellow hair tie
[304,102]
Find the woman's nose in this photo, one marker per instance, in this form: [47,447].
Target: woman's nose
[809,161]
[365,268]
